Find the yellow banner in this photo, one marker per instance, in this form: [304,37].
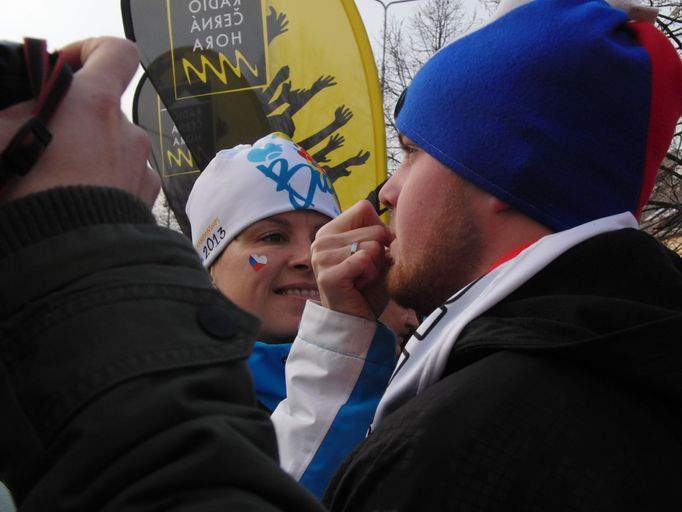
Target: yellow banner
[229,71]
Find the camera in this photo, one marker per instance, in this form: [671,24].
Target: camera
[28,71]
[15,85]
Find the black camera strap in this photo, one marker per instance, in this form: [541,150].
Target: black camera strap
[50,77]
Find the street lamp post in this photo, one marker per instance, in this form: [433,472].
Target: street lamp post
[383,46]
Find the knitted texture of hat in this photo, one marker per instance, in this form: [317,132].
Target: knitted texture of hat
[561,108]
[249,183]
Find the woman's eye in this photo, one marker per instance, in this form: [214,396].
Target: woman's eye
[273,238]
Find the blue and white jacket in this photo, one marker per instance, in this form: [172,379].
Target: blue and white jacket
[323,399]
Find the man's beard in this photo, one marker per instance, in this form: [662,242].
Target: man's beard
[447,261]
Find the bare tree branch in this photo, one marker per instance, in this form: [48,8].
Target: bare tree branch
[410,44]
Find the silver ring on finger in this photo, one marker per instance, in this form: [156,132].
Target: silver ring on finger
[354,247]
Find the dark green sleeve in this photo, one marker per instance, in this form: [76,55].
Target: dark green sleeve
[123,377]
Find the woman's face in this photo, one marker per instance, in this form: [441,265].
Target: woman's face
[266,270]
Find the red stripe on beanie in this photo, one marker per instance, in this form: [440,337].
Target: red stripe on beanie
[666,101]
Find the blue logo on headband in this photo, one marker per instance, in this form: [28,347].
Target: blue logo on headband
[265,153]
[280,171]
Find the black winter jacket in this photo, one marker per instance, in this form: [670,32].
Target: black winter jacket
[566,396]
[123,383]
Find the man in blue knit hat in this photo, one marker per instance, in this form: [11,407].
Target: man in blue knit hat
[546,373]
[545,376]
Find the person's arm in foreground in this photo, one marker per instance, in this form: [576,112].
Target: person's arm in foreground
[342,358]
[124,383]
[336,373]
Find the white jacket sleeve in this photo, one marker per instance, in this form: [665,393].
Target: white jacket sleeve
[336,373]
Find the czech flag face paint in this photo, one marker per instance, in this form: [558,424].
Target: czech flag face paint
[257,262]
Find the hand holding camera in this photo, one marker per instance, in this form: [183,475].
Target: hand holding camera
[92,141]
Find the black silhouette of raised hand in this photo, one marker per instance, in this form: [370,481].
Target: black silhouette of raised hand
[341,169]
[358,159]
[334,142]
[342,115]
[323,82]
[277,23]
[297,98]
[269,92]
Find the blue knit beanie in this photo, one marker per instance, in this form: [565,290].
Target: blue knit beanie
[563,109]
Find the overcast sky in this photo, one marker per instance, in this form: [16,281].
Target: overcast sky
[63,21]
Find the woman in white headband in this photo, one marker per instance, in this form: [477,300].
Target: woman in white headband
[254,212]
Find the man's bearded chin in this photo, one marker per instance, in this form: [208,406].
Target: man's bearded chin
[428,279]
[408,287]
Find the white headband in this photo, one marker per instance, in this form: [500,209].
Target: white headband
[247,183]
